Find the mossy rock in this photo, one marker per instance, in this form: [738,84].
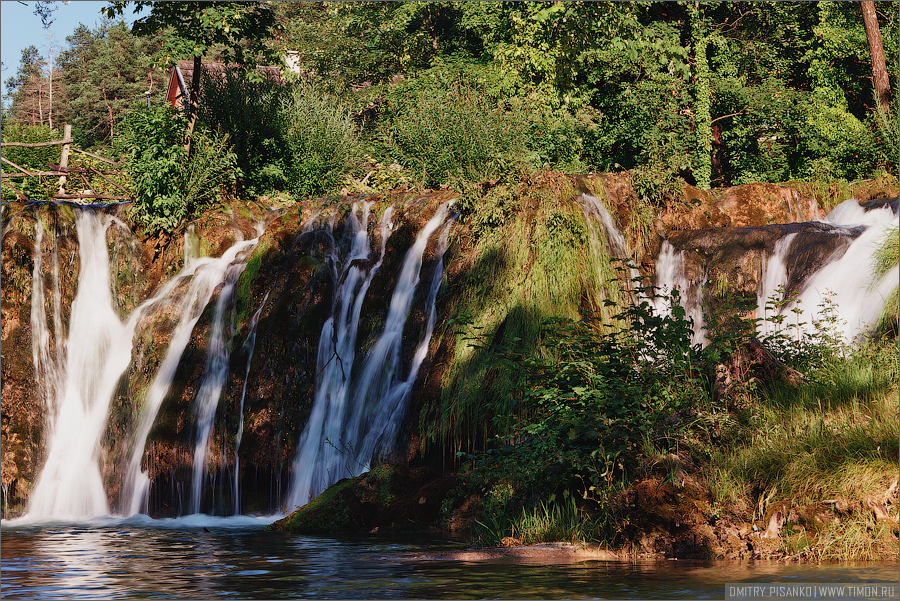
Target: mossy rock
[388,498]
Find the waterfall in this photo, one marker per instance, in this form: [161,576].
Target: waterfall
[205,274]
[47,367]
[317,460]
[670,276]
[98,349]
[378,423]
[349,421]
[850,278]
[249,346]
[214,374]
[772,284]
[846,280]
[79,382]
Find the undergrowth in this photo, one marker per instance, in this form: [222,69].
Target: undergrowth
[596,407]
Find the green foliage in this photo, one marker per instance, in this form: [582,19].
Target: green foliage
[531,522]
[831,437]
[656,181]
[455,134]
[169,188]
[519,274]
[250,113]
[194,28]
[32,159]
[582,413]
[321,141]
[887,257]
[27,88]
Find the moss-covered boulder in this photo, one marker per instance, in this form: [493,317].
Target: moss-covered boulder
[388,498]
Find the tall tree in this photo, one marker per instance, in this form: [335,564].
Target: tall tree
[876,51]
[28,88]
[106,70]
[190,29]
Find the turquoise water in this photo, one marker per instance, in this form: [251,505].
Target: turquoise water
[204,557]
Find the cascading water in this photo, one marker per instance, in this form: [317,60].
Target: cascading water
[48,366]
[214,375]
[670,276]
[98,349]
[249,346]
[206,275]
[377,423]
[845,280]
[80,382]
[350,421]
[317,460]
[848,281]
[773,283]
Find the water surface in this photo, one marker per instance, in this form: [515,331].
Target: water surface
[204,557]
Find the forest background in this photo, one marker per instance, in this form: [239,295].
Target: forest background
[425,94]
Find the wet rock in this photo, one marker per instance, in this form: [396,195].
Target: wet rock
[388,498]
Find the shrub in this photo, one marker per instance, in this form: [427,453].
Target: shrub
[455,133]
[321,141]
[585,413]
[250,114]
[168,187]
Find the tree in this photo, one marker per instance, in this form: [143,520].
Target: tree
[876,50]
[28,88]
[192,28]
[106,70]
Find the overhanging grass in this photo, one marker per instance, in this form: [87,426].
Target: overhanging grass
[532,257]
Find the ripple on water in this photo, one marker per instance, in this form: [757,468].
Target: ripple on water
[157,559]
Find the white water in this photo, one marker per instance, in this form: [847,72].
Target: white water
[249,345]
[97,351]
[670,276]
[48,366]
[349,420]
[847,281]
[859,298]
[382,421]
[214,374]
[317,460]
[206,274]
[773,281]
[80,380]
[613,235]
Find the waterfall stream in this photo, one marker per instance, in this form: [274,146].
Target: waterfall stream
[205,274]
[98,348]
[844,281]
[360,385]
[348,419]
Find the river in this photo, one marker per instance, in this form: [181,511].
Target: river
[207,557]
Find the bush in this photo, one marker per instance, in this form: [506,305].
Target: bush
[321,141]
[585,415]
[250,114]
[168,187]
[32,159]
[457,133]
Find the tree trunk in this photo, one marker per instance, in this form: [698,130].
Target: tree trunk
[876,52]
[703,118]
[193,104]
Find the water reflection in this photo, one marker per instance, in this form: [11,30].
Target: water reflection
[205,558]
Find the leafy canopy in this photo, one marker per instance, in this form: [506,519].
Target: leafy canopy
[193,28]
